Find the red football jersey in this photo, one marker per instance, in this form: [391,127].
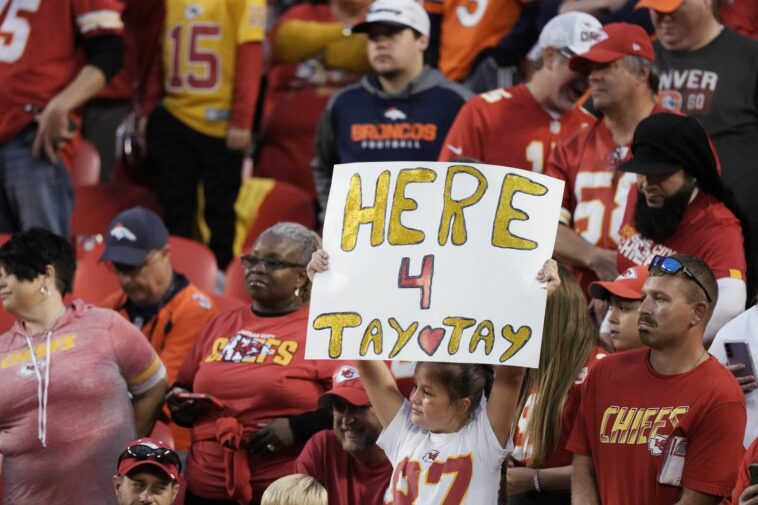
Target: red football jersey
[256,366]
[632,421]
[708,230]
[594,199]
[39,53]
[468,27]
[508,127]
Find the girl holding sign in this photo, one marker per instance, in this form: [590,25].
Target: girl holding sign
[448,442]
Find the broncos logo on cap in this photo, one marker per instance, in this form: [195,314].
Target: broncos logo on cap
[121,232]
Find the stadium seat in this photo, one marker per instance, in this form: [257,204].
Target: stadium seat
[194,260]
[86,167]
[96,206]
[93,281]
[282,202]
[225,303]
[163,433]
[235,282]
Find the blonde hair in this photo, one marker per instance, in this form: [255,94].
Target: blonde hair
[295,489]
[567,340]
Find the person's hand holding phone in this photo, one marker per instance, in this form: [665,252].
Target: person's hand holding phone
[749,496]
[746,382]
[184,411]
[271,438]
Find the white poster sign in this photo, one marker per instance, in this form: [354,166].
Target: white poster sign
[434,262]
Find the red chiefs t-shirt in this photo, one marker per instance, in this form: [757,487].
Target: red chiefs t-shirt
[560,456]
[40,54]
[508,127]
[256,366]
[630,414]
[594,199]
[347,480]
[708,230]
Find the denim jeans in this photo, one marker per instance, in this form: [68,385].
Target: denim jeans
[33,192]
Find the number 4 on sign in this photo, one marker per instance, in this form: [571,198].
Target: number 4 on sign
[422,281]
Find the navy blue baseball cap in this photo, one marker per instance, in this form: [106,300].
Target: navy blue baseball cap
[132,235]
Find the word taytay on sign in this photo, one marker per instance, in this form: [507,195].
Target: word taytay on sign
[434,262]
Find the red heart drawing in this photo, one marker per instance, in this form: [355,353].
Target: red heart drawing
[429,339]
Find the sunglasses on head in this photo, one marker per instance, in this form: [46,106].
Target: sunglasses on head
[142,452]
[672,266]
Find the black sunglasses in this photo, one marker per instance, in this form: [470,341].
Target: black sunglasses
[271,264]
[142,452]
[672,266]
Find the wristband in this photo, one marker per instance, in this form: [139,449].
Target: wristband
[536,481]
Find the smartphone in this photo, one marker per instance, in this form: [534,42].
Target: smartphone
[753,469]
[739,352]
[204,401]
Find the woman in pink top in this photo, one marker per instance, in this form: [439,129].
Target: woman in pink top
[67,373]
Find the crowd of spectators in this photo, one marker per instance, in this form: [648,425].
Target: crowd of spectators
[646,109]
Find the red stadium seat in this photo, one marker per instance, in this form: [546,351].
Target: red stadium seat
[283,203]
[162,433]
[93,281]
[86,167]
[235,282]
[225,303]
[96,206]
[194,260]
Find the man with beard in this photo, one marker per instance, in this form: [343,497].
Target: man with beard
[682,206]
[661,424]
[623,82]
[401,112]
[346,460]
[518,126]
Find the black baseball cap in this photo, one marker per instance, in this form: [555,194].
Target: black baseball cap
[665,142]
[132,235]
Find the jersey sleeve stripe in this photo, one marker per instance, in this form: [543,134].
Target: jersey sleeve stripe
[147,379]
[99,20]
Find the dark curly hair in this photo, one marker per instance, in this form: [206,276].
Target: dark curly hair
[28,253]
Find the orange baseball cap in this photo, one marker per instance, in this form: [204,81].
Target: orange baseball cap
[660,5]
[627,285]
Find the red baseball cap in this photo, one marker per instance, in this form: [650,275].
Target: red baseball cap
[660,5]
[149,452]
[616,41]
[627,285]
[347,384]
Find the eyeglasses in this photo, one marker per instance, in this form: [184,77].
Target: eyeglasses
[142,452]
[672,266]
[131,270]
[271,264]
[343,407]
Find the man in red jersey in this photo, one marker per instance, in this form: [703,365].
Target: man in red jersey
[54,56]
[518,126]
[663,424]
[623,82]
[682,206]
[346,460]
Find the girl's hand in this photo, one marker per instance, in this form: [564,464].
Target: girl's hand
[549,275]
[319,263]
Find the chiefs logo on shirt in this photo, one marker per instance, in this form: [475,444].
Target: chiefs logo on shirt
[245,345]
[431,456]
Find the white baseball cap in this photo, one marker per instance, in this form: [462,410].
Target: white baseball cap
[405,13]
[576,31]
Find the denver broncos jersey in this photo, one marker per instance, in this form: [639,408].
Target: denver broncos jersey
[461,468]
[508,127]
[39,51]
[468,27]
[200,57]
[632,422]
[256,366]
[709,230]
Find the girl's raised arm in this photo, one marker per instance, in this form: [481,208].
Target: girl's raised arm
[380,385]
[501,405]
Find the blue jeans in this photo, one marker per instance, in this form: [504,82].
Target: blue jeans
[33,192]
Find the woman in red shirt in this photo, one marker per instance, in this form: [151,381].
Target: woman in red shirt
[251,361]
